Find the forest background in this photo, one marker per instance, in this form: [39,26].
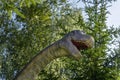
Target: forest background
[28,26]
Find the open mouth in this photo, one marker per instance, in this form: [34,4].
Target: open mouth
[80,45]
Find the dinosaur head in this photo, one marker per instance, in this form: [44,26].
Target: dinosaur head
[79,41]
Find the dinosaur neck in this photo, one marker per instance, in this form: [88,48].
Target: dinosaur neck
[32,69]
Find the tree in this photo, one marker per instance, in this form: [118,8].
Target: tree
[27,28]
[92,67]
[112,60]
[18,35]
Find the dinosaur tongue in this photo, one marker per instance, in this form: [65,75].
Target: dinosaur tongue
[79,45]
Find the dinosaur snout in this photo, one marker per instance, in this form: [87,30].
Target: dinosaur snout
[82,44]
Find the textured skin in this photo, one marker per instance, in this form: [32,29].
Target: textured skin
[63,47]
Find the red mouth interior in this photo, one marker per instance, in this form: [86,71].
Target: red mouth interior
[79,45]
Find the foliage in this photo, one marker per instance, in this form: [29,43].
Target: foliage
[26,29]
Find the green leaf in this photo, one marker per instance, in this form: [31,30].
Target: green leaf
[33,2]
[10,14]
[21,3]
[18,12]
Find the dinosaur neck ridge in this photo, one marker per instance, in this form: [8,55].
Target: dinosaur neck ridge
[32,69]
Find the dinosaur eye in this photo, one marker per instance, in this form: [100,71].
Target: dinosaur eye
[82,32]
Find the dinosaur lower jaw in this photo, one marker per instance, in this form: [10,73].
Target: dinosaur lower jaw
[80,45]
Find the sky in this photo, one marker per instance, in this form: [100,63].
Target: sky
[114,17]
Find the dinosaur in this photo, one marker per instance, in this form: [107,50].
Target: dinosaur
[70,46]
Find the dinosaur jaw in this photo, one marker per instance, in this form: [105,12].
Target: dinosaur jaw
[80,45]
